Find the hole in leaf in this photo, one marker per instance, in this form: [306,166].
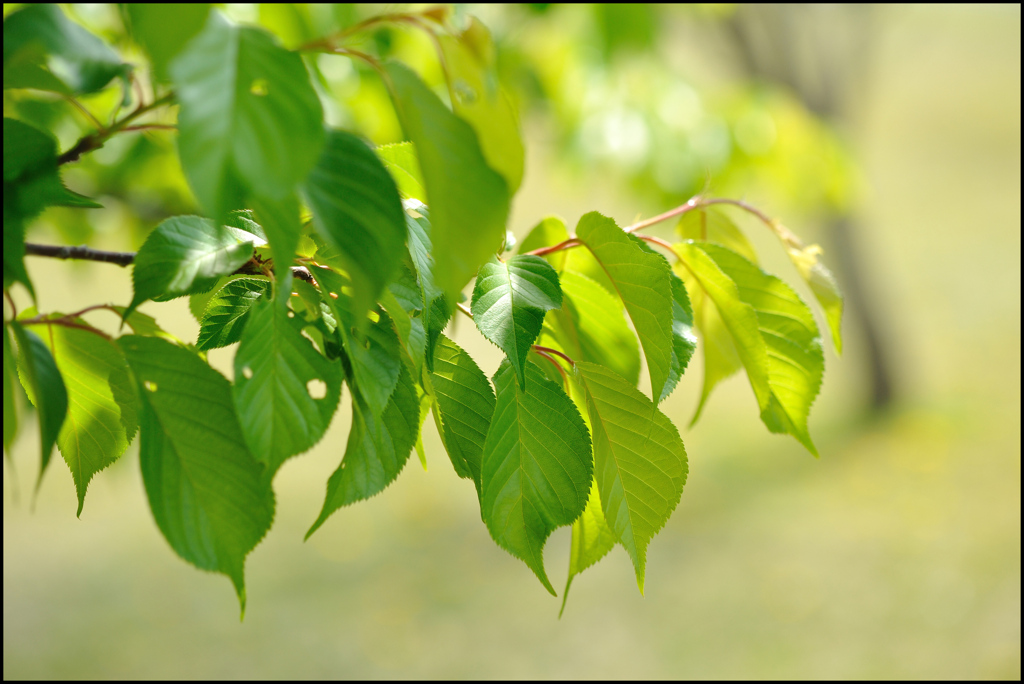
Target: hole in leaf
[149,385]
[317,388]
[366,344]
[291,314]
[373,316]
[259,87]
[247,373]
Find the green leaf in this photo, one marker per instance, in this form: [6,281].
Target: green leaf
[407,294]
[10,389]
[43,49]
[285,391]
[163,29]
[639,460]
[45,388]
[684,342]
[208,494]
[712,225]
[548,232]
[356,208]
[183,255]
[592,539]
[400,160]
[377,449]
[468,200]
[509,303]
[729,325]
[249,120]
[470,66]
[102,414]
[374,352]
[796,363]
[465,404]
[435,305]
[642,280]
[536,467]
[229,309]
[280,220]
[591,326]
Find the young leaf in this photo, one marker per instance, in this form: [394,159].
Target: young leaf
[639,460]
[400,160]
[465,404]
[356,207]
[163,29]
[45,388]
[103,410]
[509,302]
[468,200]
[249,119]
[378,447]
[591,326]
[823,284]
[43,49]
[796,363]
[285,391]
[642,280]
[731,332]
[208,494]
[592,539]
[183,255]
[470,67]
[536,467]
[227,312]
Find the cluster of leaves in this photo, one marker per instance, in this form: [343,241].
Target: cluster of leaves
[331,262]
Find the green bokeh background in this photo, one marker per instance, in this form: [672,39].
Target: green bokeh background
[897,554]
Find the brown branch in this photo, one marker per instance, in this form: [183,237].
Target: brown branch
[548,350]
[79,252]
[95,140]
[564,244]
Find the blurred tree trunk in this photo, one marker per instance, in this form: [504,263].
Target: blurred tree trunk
[818,52]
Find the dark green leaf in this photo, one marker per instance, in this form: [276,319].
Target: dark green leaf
[45,50]
[285,391]
[468,200]
[509,302]
[377,449]
[356,207]
[226,314]
[208,494]
[103,408]
[45,388]
[642,280]
[183,255]
[684,342]
[249,119]
[164,29]
[280,220]
[536,468]
[465,404]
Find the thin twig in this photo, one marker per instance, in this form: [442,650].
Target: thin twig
[64,321]
[549,350]
[96,139]
[657,241]
[561,371]
[462,307]
[14,309]
[564,244]
[79,252]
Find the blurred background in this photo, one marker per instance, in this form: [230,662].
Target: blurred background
[889,135]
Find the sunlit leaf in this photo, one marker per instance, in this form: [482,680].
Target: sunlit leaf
[401,162]
[468,200]
[643,281]
[509,302]
[208,494]
[536,466]
[639,460]
[249,120]
[592,539]
[163,29]
[183,255]
[102,412]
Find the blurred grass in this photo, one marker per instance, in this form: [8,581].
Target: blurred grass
[895,555]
